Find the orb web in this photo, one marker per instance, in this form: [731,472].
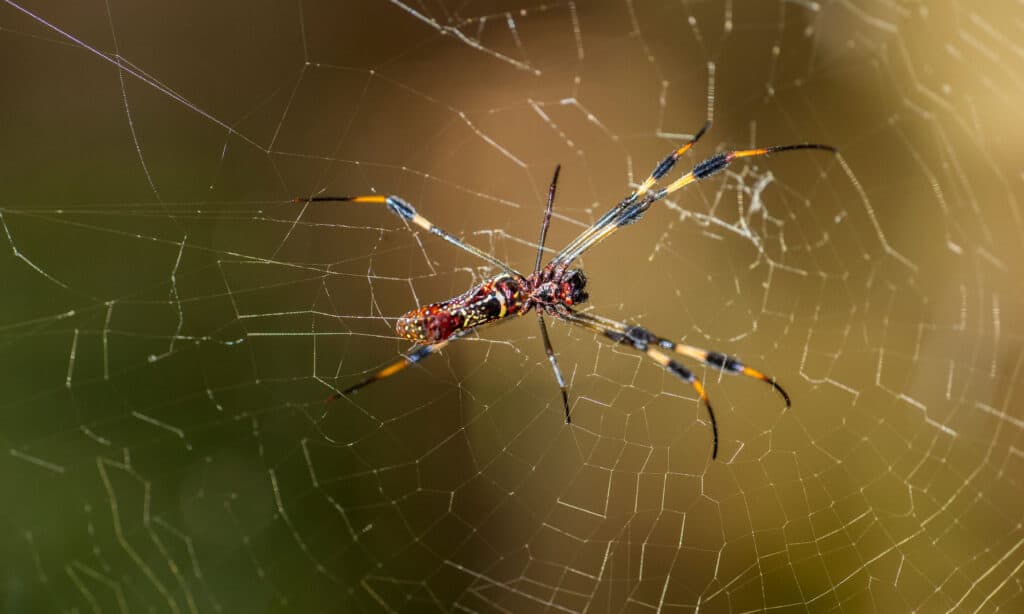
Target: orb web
[174,319]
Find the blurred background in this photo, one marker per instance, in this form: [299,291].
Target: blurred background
[172,322]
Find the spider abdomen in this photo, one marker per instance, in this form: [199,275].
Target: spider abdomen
[488,302]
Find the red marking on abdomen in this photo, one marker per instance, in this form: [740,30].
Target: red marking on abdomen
[490,301]
[428,324]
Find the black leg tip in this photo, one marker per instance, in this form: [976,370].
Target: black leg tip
[782,393]
[700,133]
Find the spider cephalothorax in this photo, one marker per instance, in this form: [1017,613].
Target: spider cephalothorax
[555,289]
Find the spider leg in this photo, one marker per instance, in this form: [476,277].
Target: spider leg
[406,211]
[659,171]
[628,212]
[632,337]
[413,357]
[544,225]
[554,365]
[724,362]
[716,360]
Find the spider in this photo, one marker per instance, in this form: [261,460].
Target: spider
[556,289]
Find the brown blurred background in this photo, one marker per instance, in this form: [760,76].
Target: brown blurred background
[172,321]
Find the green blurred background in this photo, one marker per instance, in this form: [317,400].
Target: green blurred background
[171,322]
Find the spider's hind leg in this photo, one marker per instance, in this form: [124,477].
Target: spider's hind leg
[406,211]
[717,360]
[654,347]
[399,365]
[642,340]
[723,362]
[407,360]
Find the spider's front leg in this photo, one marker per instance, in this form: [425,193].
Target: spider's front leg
[609,217]
[631,209]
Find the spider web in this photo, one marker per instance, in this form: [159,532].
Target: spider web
[172,321]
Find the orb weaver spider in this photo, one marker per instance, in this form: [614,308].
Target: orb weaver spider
[555,289]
